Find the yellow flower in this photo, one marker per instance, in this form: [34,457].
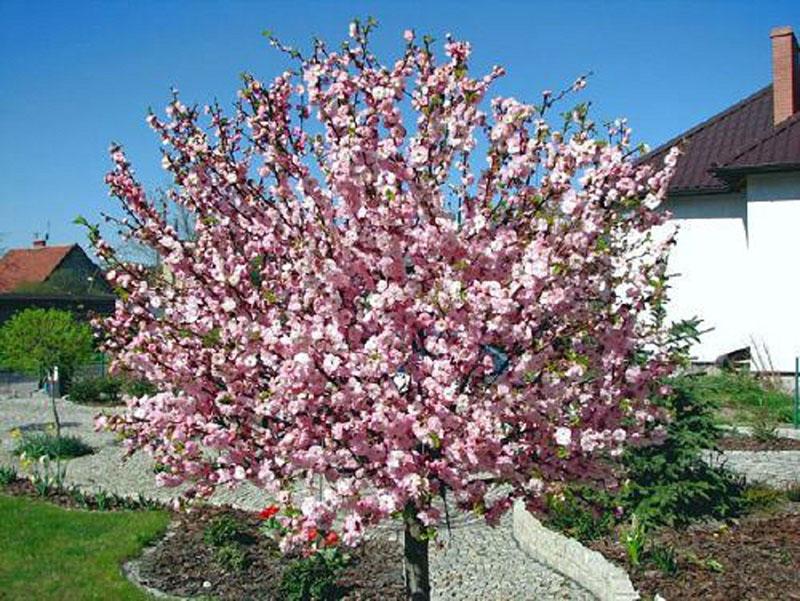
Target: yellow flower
[16,433]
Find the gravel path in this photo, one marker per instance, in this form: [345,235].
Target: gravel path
[474,562]
[776,468]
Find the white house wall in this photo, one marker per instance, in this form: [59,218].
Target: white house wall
[709,266]
[773,214]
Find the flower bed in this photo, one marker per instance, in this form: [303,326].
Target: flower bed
[186,563]
[755,557]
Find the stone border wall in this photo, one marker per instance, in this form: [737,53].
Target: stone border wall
[588,568]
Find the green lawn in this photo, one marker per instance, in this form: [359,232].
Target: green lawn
[740,397]
[47,552]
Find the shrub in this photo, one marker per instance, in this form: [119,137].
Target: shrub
[96,390]
[793,492]
[758,496]
[109,389]
[581,513]
[7,474]
[314,578]
[668,484]
[222,530]
[671,483]
[231,556]
[764,425]
[44,444]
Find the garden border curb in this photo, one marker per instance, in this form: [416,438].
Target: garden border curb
[607,581]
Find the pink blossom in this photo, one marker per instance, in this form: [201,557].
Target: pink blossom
[398,286]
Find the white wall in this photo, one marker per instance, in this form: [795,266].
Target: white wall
[773,212]
[709,263]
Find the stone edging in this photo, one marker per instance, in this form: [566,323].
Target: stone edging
[608,582]
[131,569]
[791,433]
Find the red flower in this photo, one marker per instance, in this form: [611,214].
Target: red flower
[268,512]
[311,535]
[331,539]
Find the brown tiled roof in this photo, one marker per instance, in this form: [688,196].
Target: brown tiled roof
[716,141]
[30,265]
[780,147]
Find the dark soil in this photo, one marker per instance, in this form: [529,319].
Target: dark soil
[183,562]
[756,558]
[741,442]
[72,498]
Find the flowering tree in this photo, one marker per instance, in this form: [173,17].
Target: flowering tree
[395,286]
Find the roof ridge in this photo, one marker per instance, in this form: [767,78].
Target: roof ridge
[28,248]
[704,124]
[68,249]
[791,121]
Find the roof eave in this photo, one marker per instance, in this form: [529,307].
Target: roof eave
[674,192]
[735,174]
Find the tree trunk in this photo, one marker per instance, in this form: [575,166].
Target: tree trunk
[56,420]
[415,555]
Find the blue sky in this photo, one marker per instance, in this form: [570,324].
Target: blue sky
[76,75]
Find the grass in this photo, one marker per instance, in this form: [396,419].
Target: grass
[743,398]
[51,553]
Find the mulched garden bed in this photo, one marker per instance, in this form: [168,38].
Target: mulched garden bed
[754,558]
[184,564]
[742,442]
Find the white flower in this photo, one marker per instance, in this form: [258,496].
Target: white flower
[419,155]
[228,304]
[302,358]
[563,436]
[331,363]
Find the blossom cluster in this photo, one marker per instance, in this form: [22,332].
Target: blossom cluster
[397,286]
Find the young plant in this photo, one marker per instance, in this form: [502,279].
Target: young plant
[664,558]
[7,474]
[634,538]
[102,499]
[46,475]
[231,556]
[43,444]
[222,530]
[764,425]
[37,340]
[671,483]
[314,578]
[396,284]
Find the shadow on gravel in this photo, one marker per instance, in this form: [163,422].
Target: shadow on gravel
[44,426]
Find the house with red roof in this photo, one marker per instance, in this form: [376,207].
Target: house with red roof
[736,200]
[52,276]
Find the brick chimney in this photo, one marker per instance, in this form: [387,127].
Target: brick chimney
[785,74]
